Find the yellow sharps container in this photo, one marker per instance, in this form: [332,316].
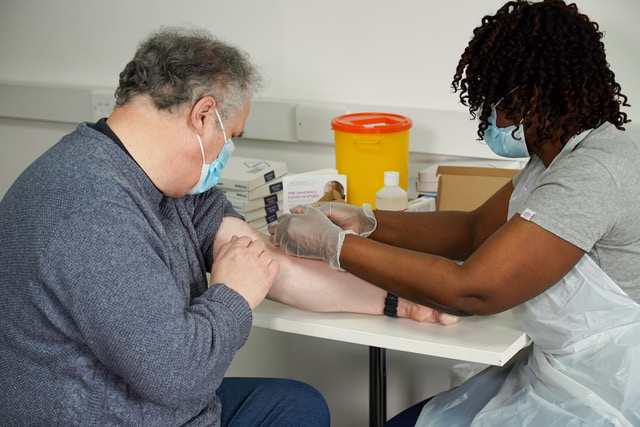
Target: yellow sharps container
[367,145]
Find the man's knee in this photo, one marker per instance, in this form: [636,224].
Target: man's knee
[272,402]
[303,403]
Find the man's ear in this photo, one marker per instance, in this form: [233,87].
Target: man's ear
[202,110]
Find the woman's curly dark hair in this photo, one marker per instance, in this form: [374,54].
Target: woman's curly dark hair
[545,58]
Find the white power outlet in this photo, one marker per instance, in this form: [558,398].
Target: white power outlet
[103,101]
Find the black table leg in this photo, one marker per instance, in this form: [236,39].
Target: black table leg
[377,386]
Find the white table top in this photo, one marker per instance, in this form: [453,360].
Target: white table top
[491,340]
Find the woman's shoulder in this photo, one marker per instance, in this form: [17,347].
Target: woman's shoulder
[610,141]
[605,154]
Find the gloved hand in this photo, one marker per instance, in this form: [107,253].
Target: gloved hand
[361,220]
[309,234]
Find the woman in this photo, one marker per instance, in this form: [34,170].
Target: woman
[559,244]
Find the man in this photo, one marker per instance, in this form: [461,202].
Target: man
[107,317]
[106,314]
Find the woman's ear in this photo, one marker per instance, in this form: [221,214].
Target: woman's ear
[201,111]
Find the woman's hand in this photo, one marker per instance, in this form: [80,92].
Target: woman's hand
[362,221]
[309,234]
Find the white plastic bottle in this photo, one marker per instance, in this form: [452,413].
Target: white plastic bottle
[391,197]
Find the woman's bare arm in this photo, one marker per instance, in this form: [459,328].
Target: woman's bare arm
[451,234]
[313,285]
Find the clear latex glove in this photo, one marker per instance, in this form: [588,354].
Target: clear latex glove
[309,234]
[348,217]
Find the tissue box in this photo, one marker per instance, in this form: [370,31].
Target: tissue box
[463,188]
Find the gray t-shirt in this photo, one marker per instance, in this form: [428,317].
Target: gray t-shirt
[591,198]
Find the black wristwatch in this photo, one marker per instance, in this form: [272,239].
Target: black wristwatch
[391,305]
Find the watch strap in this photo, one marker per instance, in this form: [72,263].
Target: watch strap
[391,305]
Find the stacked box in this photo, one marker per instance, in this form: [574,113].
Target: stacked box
[247,175]
[254,188]
[242,205]
[262,192]
[264,221]
[264,212]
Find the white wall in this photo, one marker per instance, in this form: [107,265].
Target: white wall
[356,51]
[366,52]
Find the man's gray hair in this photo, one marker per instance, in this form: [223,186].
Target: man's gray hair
[177,67]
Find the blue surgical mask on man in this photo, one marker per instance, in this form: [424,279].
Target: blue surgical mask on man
[210,173]
[504,141]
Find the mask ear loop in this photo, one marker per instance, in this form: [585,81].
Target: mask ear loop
[201,148]
[204,161]
[221,125]
[503,98]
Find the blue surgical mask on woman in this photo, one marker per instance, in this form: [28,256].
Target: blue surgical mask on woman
[504,141]
[210,173]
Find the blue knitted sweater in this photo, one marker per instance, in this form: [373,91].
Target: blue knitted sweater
[105,315]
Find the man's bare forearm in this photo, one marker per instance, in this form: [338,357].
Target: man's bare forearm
[313,285]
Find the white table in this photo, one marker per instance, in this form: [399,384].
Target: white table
[491,340]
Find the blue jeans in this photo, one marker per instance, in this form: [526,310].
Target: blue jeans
[271,402]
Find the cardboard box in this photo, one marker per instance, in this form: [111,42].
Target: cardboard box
[307,188]
[265,190]
[265,211]
[463,188]
[246,174]
[243,205]
[263,221]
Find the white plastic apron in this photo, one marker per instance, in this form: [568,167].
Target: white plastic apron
[583,368]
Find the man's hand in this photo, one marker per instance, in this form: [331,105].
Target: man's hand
[246,266]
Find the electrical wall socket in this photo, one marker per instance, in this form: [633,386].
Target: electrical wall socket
[103,101]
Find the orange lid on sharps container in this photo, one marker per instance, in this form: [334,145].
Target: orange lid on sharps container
[371,123]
